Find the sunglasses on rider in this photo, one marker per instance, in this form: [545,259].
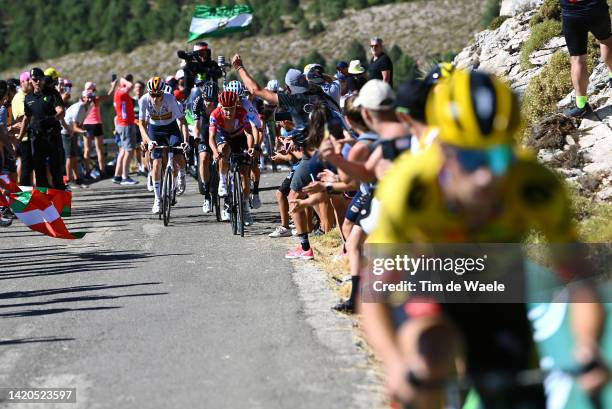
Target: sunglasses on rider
[156,94]
[498,159]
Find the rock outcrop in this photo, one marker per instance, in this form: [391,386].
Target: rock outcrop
[584,152]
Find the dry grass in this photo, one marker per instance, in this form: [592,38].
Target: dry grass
[328,249]
[421,28]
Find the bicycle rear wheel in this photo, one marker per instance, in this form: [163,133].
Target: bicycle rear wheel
[168,194]
[239,203]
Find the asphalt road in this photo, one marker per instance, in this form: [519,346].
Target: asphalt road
[138,315]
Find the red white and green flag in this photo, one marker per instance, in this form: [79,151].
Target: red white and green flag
[61,199]
[36,211]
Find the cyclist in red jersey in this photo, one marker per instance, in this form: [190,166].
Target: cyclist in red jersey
[229,131]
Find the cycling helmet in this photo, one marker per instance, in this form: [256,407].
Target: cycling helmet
[155,85]
[273,85]
[210,91]
[228,99]
[473,110]
[235,86]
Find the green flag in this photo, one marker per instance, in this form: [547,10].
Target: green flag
[217,21]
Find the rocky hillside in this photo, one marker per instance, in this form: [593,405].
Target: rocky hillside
[421,28]
[529,51]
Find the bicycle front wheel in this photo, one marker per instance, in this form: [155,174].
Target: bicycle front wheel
[239,203]
[168,195]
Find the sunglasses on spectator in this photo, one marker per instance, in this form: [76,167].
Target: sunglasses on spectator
[498,159]
[36,79]
[67,90]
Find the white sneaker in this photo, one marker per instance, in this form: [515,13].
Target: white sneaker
[181,185]
[155,209]
[206,207]
[294,232]
[225,216]
[150,186]
[255,201]
[246,214]
[222,191]
[280,231]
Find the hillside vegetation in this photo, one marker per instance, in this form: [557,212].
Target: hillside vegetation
[418,29]
[43,29]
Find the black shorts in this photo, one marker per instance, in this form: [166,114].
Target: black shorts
[285,187]
[576,30]
[94,130]
[357,203]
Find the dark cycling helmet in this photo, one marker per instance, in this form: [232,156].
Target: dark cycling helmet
[228,99]
[210,91]
[155,85]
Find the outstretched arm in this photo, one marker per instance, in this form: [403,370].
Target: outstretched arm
[252,85]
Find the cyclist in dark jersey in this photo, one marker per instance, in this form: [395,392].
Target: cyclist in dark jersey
[203,106]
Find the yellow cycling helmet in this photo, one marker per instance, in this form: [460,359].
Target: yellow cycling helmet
[473,110]
[52,72]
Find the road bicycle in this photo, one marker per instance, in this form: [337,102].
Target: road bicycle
[168,187]
[235,198]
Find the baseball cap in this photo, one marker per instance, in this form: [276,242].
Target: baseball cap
[376,95]
[24,76]
[355,67]
[52,72]
[342,64]
[273,85]
[202,45]
[314,73]
[411,98]
[296,81]
[179,74]
[36,73]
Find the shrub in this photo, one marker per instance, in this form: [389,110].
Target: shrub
[549,10]
[497,22]
[491,12]
[546,89]
[540,35]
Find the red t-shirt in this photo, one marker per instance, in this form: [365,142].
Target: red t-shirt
[124,107]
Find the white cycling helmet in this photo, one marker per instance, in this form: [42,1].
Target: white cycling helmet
[235,86]
[273,85]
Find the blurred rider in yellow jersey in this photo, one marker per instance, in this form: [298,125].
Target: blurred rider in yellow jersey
[472,186]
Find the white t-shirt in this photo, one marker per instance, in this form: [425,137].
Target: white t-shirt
[169,111]
[76,113]
[333,90]
[252,114]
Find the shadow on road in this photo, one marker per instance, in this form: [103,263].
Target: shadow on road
[33,340]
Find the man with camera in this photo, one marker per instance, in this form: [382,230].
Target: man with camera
[199,63]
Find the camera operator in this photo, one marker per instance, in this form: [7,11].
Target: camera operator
[199,63]
[43,111]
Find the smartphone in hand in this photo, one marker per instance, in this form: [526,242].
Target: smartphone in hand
[113,77]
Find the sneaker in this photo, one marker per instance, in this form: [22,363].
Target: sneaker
[181,184]
[150,185]
[95,174]
[206,207]
[117,179]
[255,201]
[301,254]
[129,182]
[280,231]
[345,306]
[318,232]
[579,112]
[155,209]
[294,232]
[222,192]
[246,215]
[5,219]
[225,216]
